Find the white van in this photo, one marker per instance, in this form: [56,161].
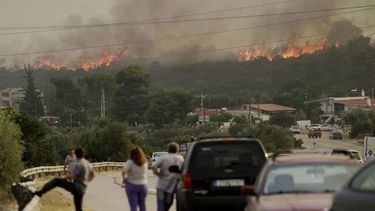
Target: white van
[303,123]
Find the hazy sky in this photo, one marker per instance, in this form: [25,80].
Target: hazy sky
[75,12]
[42,12]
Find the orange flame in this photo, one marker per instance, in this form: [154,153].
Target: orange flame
[86,64]
[291,51]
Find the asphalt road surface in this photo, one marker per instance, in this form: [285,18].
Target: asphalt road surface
[325,142]
[103,194]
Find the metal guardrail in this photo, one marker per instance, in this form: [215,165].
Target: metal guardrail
[42,171]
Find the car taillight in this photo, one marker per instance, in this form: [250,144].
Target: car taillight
[247,190]
[188,183]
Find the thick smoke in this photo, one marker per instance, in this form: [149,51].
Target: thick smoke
[157,41]
[341,32]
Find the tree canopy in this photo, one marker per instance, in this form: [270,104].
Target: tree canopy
[32,102]
[10,153]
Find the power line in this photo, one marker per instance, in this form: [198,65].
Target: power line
[255,44]
[293,21]
[179,16]
[161,18]
[247,45]
[177,37]
[143,22]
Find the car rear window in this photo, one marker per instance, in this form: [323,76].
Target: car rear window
[308,177]
[227,154]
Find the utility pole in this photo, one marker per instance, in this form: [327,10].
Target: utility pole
[102,104]
[252,101]
[258,111]
[71,127]
[249,112]
[372,93]
[202,109]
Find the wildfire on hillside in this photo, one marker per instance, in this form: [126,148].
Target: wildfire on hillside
[106,59]
[291,50]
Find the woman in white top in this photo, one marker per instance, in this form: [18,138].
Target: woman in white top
[134,175]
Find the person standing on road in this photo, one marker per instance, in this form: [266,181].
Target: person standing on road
[370,156]
[80,172]
[69,159]
[134,176]
[167,181]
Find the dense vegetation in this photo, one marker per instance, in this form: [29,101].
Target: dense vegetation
[147,104]
[10,153]
[328,72]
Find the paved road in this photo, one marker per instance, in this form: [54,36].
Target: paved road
[325,142]
[103,194]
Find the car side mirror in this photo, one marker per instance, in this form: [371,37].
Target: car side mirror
[174,169]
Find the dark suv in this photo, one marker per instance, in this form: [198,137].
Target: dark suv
[217,171]
[314,133]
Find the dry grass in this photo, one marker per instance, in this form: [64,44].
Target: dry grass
[56,200]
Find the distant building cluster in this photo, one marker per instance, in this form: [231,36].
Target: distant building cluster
[337,105]
[262,112]
[11,97]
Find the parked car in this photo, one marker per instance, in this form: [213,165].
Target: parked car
[315,126]
[215,172]
[327,127]
[314,133]
[354,154]
[335,135]
[295,130]
[299,182]
[358,193]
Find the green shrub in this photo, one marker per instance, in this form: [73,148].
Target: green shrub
[10,154]
[274,138]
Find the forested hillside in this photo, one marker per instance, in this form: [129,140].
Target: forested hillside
[332,71]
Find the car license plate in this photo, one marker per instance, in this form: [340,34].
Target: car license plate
[229,183]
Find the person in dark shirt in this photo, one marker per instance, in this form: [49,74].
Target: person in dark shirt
[80,173]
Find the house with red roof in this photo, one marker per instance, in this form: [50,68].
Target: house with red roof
[260,111]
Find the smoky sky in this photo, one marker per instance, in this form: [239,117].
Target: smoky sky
[166,42]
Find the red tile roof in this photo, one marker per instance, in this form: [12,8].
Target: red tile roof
[208,112]
[271,108]
[355,102]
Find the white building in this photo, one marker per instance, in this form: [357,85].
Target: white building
[11,97]
[337,105]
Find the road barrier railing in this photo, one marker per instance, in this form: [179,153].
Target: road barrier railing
[43,171]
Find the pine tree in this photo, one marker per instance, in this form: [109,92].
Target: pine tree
[32,103]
